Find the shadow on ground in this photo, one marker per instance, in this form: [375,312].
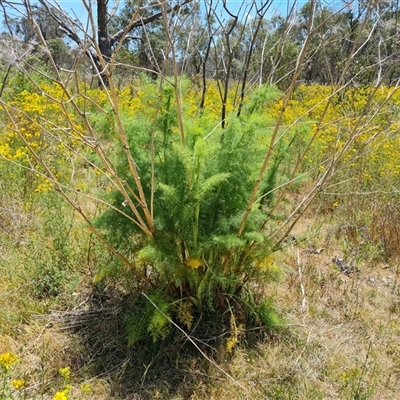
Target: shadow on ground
[171,368]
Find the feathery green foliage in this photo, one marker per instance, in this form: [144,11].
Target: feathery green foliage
[201,191]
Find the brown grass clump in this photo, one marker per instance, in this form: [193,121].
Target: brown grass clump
[385,227]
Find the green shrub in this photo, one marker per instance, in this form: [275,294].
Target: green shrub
[200,194]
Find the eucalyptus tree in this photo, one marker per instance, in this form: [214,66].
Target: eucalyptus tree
[355,38]
[19,26]
[146,43]
[277,52]
[97,35]
[232,31]
[375,30]
[192,41]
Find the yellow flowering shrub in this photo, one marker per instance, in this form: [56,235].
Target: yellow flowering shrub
[143,99]
[88,99]
[44,121]
[363,115]
[39,126]
[131,98]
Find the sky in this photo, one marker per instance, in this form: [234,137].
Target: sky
[280,5]
[76,9]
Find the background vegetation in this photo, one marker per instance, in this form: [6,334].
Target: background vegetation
[199,201]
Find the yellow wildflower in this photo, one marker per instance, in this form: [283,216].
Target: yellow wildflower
[194,263]
[18,383]
[266,263]
[7,359]
[46,186]
[63,395]
[65,372]
[85,387]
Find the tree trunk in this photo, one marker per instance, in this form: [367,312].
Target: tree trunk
[104,41]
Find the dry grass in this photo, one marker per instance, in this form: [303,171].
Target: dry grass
[340,340]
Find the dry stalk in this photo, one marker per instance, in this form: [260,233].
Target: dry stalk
[275,133]
[303,349]
[304,306]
